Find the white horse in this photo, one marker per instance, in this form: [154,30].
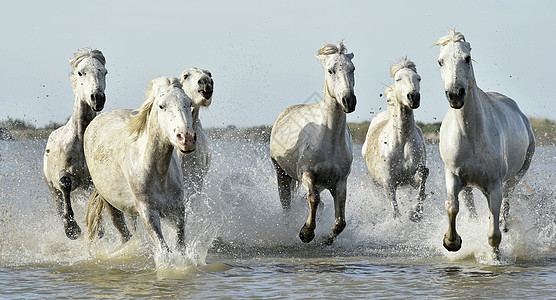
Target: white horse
[485,141]
[131,161]
[64,166]
[394,149]
[198,85]
[311,143]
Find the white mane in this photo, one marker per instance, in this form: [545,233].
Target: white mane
[451,37]
[402,64]
[329,49]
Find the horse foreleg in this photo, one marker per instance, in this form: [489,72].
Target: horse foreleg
[284,186]
[467,195]
[180,227]
[118,219]
[307,232]
[151,221]
[339,195]
[452,241]
[72,229]
[390,191]
[494,197]
[417,212]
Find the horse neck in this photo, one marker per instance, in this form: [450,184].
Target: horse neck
[402,120]
[195,114]
[470,117]
[335,117]
[82,115]
[157,153]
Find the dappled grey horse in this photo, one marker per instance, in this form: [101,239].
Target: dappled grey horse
[485,141]
[64,166]
[311,143]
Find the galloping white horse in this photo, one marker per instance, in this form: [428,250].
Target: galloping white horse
[485,140]
[198,85]
[311,143]
[394,148]
[130,158]
[64,166]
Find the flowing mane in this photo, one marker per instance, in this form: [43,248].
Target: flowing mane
[403,63]
[329,49]
[140,117]
[452,37]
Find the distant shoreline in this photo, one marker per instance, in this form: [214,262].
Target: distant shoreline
[544,129]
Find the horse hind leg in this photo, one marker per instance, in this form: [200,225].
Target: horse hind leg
[467,196]
[307,232]
[72,229]
[118,219]
[284,186]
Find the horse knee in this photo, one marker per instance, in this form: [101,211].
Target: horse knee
[65,183]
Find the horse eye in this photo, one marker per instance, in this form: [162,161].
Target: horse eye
[468,59]
[161,106]
[330,71]
[440,62]
[185,76]
[79,73]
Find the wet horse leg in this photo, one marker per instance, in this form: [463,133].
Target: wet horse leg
[467,195]
[151,221]
[307,232]
[494,197]
[339,194]
[72,229]
[284,186]
[452,241]
[417,212]
[179,219]
[118,219]
[390,191]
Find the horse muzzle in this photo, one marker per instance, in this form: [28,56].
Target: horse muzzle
[349,102]
[456,98]
[97,101]
[414,100]
[186,142]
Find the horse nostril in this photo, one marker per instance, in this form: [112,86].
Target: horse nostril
[195,137]
[461,92]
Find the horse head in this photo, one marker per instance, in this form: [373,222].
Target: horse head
[167,111]
[339,77]
[455,67]
[198,85]
[88,77]
[406,83]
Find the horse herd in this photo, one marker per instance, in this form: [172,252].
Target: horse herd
[146,162]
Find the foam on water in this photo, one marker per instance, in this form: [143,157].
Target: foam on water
[239,215]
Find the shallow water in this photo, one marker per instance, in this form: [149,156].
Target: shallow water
[241,245]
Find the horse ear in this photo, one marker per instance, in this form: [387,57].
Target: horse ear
[350,55]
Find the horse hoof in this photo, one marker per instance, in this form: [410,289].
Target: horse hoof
[72,230]
[328,240]
[306,235]
[415,216]
[452,246]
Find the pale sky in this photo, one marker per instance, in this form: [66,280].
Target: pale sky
[262,53]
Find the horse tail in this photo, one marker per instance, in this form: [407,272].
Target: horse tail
[94,214]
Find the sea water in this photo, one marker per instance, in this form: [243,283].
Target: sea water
[240,244]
